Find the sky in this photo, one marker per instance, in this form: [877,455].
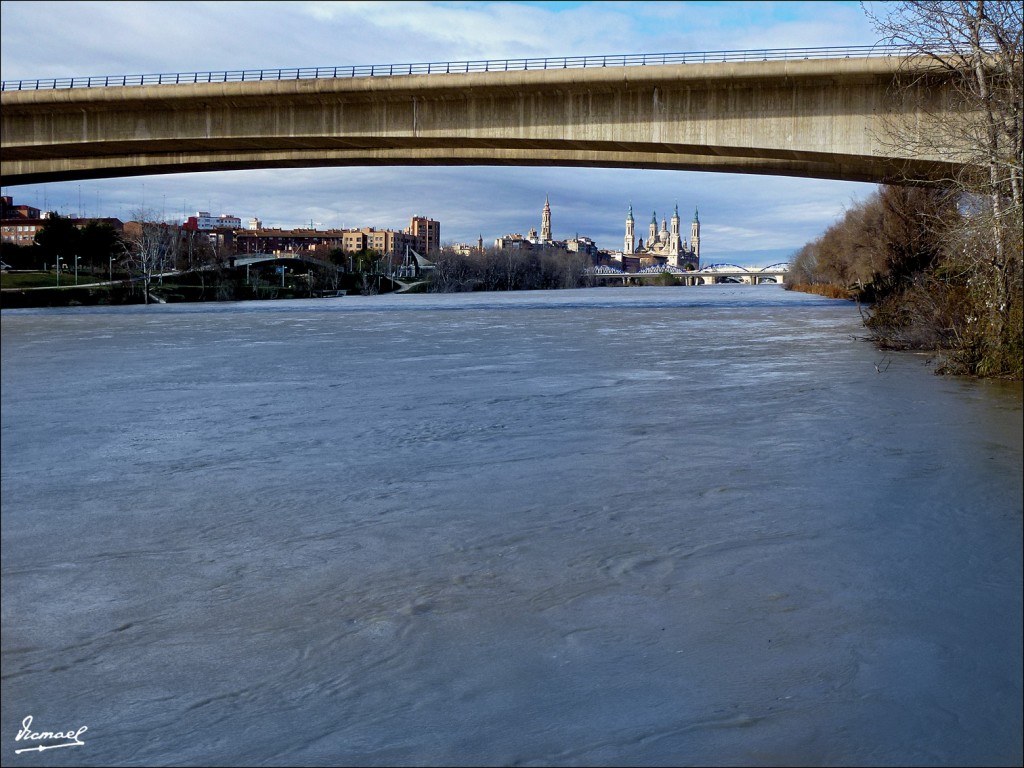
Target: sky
[750,220]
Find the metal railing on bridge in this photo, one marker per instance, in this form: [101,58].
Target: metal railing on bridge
[455,67]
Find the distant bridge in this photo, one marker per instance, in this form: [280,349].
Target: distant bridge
[709,275]
[270,258]
[818,112]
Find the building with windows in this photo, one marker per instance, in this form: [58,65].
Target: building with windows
[20,223]
[515,242]
[287,241]
[427,234]
[468,249]
[386,242]
[204,222]
[20,231]
[8,210]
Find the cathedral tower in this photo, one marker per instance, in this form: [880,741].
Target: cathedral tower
[630,244]
[695,237]
[652,236]
[676,241]
[545,224]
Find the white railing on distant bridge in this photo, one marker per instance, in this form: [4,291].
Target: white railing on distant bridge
[724,270]
[658,269]
[736,269]
[456,67]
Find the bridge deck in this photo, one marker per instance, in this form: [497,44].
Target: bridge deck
[813,117]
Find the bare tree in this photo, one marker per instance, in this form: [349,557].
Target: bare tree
[974,47]
[151,247]
[975,50]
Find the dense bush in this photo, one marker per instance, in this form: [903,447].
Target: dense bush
[924,263]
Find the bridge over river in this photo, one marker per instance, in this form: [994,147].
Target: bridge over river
[810,112]
[709,275]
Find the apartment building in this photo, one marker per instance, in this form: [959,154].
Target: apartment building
[20,223]
[427,234]
[311,241]
[204,222]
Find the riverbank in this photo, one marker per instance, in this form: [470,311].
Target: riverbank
[928,317]
[27,290]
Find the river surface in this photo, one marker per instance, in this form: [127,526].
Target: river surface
[637,526]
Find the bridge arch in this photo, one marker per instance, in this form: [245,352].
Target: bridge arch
[733,268]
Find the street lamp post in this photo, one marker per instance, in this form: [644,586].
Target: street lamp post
[58,271]
[111,265]
[77,258]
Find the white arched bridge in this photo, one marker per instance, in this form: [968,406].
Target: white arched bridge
[709,275]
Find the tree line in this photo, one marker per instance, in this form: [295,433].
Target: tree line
[939,265]
[509,269]
[93,244]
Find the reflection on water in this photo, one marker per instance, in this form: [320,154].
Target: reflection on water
[611,526]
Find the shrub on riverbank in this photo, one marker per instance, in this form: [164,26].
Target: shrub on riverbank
[829,290]
[923,264]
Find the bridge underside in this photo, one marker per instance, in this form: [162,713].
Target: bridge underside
[813,118]
[845,168]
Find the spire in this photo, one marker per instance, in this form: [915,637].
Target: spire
[630,216]
[654,218]
[675,214]
[695,218]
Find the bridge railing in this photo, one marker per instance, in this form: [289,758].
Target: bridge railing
[453,67]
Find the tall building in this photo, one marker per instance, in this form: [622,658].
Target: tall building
[427,234]
[545,222]
[630,244]
[695,236]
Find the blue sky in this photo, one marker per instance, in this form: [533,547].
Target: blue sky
[745,219]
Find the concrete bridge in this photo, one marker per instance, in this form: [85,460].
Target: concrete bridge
[822,113]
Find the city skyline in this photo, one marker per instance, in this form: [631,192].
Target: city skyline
[747,219]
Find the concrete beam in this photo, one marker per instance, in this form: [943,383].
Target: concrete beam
[825,118]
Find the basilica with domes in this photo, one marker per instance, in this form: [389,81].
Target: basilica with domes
[664,246]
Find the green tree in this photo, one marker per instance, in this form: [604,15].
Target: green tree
[58,237]
[98,241]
